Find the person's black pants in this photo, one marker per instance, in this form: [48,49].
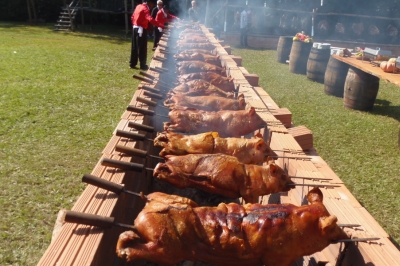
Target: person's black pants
[157,36]
[139,48]
[243,36]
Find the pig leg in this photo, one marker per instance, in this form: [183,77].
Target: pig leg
[130,247]
[173,127]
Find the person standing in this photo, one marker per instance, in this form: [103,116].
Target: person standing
[140,21]
[157,33]
[194,12]
[162,17]
[243,27]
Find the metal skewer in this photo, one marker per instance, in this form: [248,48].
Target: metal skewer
[108,222]
[356,240]
[312,185]
[149,81]
[135,152]
[108,185]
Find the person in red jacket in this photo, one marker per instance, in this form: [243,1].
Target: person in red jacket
[140,21]
[162,17]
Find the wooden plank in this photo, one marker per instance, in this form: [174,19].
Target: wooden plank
[367,67]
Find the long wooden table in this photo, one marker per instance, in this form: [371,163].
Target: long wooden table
[369,68]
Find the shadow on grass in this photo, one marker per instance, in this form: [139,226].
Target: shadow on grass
[383,107]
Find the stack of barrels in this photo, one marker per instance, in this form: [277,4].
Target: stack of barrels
[357,88]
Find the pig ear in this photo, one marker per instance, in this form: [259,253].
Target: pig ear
[252,111]
[272,166]
[258,136]
[315,195]
[327,223]
[259,144]
[242,102]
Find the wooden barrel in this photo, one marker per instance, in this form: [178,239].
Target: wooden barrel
[299,56]
[360,90]
[284,47]
[335,77]
[316,64]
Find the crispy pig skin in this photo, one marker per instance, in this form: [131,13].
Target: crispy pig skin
[201,51]
[205,46]
[211,59]
[224,83]
[186,67]
[171,229]
[206,103]
[193,39]
[177,144]
[223,175]
[226,123]
[199,87]
[248,151]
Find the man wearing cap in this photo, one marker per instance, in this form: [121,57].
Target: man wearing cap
[162,17]
[157,33]
[140,21]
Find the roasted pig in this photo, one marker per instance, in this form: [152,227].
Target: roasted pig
[171,229]
[201,51]
[211,59]
[193,39]
[223,175]
[200,87]
[206,46]
[248,151]
[224,83]
[226,123]
[206,103]
[187,67]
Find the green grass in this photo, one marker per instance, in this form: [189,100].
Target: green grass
[361,147]
[61,97]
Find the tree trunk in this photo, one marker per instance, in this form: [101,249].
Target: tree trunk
[29,10]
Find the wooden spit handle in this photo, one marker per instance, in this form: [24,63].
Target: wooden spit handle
[123,165]
[150,89]
[153,95]
[102,183]
[131,151]
[129,135]
[146,101]
[156,70]
[139,110]
[162,59]
[146,75]
[89,219]
[142,79]
[140,126]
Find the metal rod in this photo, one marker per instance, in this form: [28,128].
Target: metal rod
[349,225]
[312,185]
[135,152]
[154,79]
[356,240]
[310,178]
[290,157]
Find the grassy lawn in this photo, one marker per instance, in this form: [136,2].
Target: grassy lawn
[62,95]
[361,147]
